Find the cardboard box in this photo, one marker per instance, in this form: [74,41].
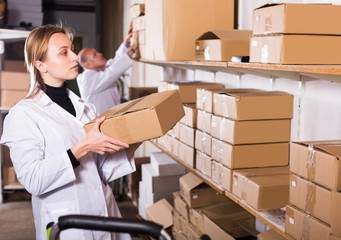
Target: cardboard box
[297,19]
[205,98]
[136,10]
[137,92]
[187,154]
[249,132]
[204,163]
[197,193]
[295,49]
[6,158]
[222,176]
[317,161]
[139,23]
[263,188]
[15,66]
[247,104]
[336,214]
[142,119]
[9,177]
[161,213]
[173,26]
[187,135]
[149,198]
[181,205]
[270,235]
[10,97]
[204,121]
[250,155]
[163,165]
[332,237]
[15,81]
[196,218]
[179,222]
[142,37]
[310,198]
[190,118]
[193,233]
[142,51]
[188,89]
[159,184]
[300,225]
[222,44]
[203,142]
[175,131]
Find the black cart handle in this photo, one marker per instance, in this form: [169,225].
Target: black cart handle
[110,224]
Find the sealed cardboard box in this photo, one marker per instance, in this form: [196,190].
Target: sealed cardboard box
[161,213]
[317,161]
[336,214]
[10,97]
[332,237]
[197,193]
[222,176]
[193,233]
[270,235]
[249,132]
[175,131]
[142,119]
[246,104]
[300,225]
[297,19]
[172,26]
[139,23]
[137,92]
[205,98]
[15,81]
[204,163]
[15,66]
[263,188]
[136,10]
[222,44]
[181,205]
[250,155]
[203,142]
[187,154]
[204,121]
[196,217]
[164,165]
[310,197]
[187,135]
[190,118]
[295,49]
[179,222]
[188,89]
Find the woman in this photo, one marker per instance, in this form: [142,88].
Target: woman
[64,169]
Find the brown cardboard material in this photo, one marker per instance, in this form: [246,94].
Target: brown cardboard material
[179,222]
[270,235]
[222,175]
[175,131]
[336,214]
[142,119]
[332,237]
[303,226]
[188,89]
[136,10]
[248,104]
[317,161]
[9,177]
[187,154]
[311,198]
[250,155]
[15,66]
[222,44]
[181,205]
[139,23]
[204,121]
[196,218]
[187,135]
[10,97]
[190,118]
[137,92]
[197,193]
[193,233]
[173,26]
[203,142]
[248,132]
[161,213]
[6,158]
[204,163]
[263,188]
[295,49]
[205,98]
[297,19]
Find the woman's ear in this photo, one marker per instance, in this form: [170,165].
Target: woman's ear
[41,66]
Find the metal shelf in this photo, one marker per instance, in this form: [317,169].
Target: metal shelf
[273,218]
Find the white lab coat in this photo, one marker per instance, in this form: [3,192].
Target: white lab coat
[39,132]
[100,87]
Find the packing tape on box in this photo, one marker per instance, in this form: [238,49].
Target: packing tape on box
[222,128]
[203,98]
[265,54]
[306,227]
[203,164]
[220,178]
[203,141]
[268,25]
[244,181]
[310,200]
[220,152]
[311,163]
[225,108]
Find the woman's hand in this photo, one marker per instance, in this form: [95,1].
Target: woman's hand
[95,141]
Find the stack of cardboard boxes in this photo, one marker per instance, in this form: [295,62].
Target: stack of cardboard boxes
[315,184]
[289,33]
[160,179]
[137,15]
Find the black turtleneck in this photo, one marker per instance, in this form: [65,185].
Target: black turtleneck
[59,95]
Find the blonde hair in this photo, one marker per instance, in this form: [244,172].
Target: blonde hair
[36,46]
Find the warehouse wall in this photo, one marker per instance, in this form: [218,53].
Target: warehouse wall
[317,99]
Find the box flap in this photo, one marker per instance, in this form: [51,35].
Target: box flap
[190,181]
[239,94]
[332,147]
[269,5]
[161,213]
[226,34]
